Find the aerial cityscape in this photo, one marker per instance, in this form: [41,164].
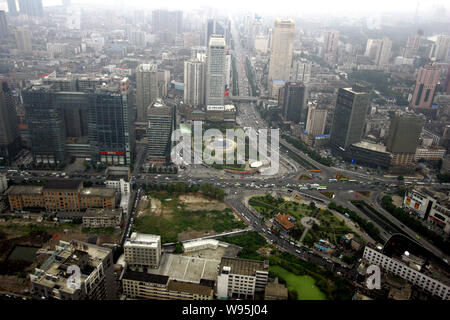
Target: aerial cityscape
[254,151]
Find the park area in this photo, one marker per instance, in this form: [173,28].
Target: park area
[178,217]
[304,285]
[330,228]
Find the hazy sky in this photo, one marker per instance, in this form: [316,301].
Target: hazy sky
[282,7]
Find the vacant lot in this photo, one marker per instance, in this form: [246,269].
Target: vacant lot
[182,217]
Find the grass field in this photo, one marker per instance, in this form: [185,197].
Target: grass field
[303,285]
[175,221]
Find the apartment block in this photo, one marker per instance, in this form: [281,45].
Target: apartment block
[143,251]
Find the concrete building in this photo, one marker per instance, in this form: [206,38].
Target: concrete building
[330,45]
[409,270]
[194,83]
[3,24]
[215,74]
[241,278]
[403,138]
[315,121]
[261,44]
[412,46]
[379,50]
[31,8]
[281,51]
[349,117]
[429,154]
[23,40]
[292,99]
[370,154]
[102,218]
[146,88]
[426,83]
[161,123]
[9,132]
[96,282]
[275,291]
[167,21]
[118,178]
[142,251]
[301,72]
[440,48]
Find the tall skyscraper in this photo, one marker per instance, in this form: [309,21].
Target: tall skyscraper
[12,8]
[426,83]
[281,53]
[3,24]
[291,99]
[46,125]
[403,137]
[194,82]
[23,40]
[413,45]
[9,133]
[315,121]
[440,49]
[146,88]
[161,123]
[218,27]
[373,47]
[447,82]
[109,124]
[384,52]
[349,117]
[215,76]
[330,45]
[31,7]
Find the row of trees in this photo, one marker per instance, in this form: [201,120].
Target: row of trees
[368,226]
[414,224]
[311,153]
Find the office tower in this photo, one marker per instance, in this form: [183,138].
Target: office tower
[161,123]
[31,7]
[440,48]
[373,47]
[291,99]
[194,82]
[142,251]
[215,74]
[12,8]
[281,53]
[164,20]
[51,279]
[447,82]
[241,278]
[3,24]
[426,83]
[9,133]
[349,117]
[216,27]
[384,53]
[23,40]
[146,88]
[403,137]
[330,45]
[109,124]
[315,121]
[227,72]
[45,122]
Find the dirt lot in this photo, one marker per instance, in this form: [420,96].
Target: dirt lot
[194,203]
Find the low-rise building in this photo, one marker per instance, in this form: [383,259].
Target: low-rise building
[241,277]
[429,154]
[275,291]
[102,218]
[143,251]
[118,178]
[284,223]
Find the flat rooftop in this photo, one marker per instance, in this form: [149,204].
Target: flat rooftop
[371,146]
[98,192]
[18,190]
[243,266]
[62,184]
[142,239]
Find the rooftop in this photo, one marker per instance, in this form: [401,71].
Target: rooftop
[18,190]
[283,219]
[145,277]
[63,184]
[144,240]
[98,192]
[194,288]
[102,212]
[371,146]
[243,266]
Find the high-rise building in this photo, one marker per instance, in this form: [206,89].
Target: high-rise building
[9,132]
[315,121]
[281,52]
[413,45]
[447,82]
[301,72]
[330,45]
[291,99]
[379,50]
[46,125]
[3,24]
[426,83]
[146,88]
[96,268]
[373,47]
[194,82]
[349,117]
[31,7]
[440,48]
[215,74]
[161,123]
[12,8]
[110,133]
[23,40]
[218,27]
[165,20]
[403,138]
[142,251]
